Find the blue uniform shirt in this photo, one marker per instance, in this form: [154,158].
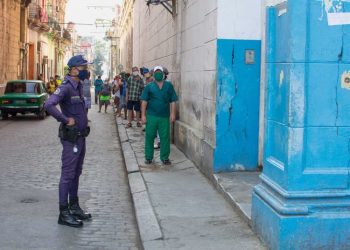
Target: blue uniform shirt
[70,97]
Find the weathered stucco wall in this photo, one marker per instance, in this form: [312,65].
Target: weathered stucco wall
[186,45]
[126,35]
[9,40]
[238,85]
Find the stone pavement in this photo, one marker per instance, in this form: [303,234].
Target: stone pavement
[189,212]
[30,155]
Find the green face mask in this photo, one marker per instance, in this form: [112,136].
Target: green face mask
[159,76]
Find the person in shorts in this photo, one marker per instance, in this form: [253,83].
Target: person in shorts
[105,96]
[116,93]
[135,86]
[98,86]
[123,89]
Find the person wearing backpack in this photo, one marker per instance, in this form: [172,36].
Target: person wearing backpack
[105,96]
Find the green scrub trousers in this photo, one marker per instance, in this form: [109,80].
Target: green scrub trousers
[162,125]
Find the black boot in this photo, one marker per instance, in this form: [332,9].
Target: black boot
[76,210]
[66,218]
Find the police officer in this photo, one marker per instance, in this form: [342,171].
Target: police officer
[73,130]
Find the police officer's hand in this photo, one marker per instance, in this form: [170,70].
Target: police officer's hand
[143,119]
[71,121]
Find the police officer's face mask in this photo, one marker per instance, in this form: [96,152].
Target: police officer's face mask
[83,73]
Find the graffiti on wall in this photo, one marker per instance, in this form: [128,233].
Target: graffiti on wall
[336,13]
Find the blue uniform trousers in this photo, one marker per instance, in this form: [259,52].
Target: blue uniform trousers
[72,166]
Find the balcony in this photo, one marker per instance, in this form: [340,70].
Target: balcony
[66,34]
[54,24]
[38,18]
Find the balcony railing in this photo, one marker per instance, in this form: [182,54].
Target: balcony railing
[38,13]
[54,24]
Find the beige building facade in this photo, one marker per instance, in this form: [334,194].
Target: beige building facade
[48,39]
[12,39]
[125,34]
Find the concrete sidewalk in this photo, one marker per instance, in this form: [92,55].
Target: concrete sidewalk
[176,206]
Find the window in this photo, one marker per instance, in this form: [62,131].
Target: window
[23,87]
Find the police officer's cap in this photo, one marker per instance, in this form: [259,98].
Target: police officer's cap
[76,61]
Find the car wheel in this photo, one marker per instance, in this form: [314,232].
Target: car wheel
[42,114]
[5,116]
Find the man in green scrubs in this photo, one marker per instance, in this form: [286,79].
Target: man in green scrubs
[158,98]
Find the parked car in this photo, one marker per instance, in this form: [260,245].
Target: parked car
[24,96]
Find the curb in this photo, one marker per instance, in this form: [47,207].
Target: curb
[146,218]
[234,203]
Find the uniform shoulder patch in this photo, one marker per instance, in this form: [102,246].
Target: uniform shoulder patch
[58,91]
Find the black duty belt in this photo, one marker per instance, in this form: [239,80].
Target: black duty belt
[72,133]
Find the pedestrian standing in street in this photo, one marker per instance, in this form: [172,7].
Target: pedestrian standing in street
[87,92]
[98,87]
[58,80]
[105,95]
[158,110]
[147,76]
[135,86]
[116,92]
[123,91]
[73,130]
[51,86]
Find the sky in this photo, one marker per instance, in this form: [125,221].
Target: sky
[87,11]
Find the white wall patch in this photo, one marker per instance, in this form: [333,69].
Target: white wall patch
[345,80]
[335,12]
[281,78]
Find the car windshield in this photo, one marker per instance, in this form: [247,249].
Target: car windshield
[22,87]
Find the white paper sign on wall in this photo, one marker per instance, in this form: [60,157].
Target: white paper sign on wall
[335,12]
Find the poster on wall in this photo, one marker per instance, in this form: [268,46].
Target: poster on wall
[336,13]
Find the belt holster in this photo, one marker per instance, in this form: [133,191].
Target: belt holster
[72,133]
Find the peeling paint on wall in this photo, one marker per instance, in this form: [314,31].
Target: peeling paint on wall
[281,78]
[345,80]
[282,8]
[275,2]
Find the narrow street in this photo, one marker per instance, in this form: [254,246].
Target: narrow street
[30,170]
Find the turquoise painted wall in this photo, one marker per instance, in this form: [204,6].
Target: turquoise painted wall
[303,200]
[237,107]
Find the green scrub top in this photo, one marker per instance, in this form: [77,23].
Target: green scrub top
[158,100]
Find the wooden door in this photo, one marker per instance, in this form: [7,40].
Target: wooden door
[31,62]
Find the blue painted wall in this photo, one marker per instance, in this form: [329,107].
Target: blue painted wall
[304,198]
[237,107]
